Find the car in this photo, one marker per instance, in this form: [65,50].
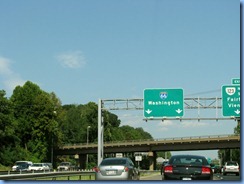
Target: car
[66,166]
[162,166]
[231,167]
[39,167]
[21,165]
[187,167]
[50,165]
[116,169]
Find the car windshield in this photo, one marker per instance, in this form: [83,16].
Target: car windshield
[20,163]
[113,162]
[64,163]
[23,165]
[231,164]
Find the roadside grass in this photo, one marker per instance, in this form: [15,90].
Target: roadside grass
[4,168]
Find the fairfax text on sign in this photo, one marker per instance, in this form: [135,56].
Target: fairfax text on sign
[231,100]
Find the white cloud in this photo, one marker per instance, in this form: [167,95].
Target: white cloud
[166,123]
[5,67]
[74,59]
[9,78]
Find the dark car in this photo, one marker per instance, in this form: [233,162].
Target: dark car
[162,166]
[187,167]
[116,169]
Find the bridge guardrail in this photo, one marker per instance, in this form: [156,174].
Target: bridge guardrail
[68,146]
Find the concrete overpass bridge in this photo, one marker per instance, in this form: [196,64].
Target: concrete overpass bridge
[152,146]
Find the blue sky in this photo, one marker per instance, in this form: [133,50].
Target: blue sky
[90,49]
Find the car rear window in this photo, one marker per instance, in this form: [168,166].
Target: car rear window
[188,161]
[231,164]
[114,162]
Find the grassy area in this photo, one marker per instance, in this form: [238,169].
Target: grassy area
[4,168]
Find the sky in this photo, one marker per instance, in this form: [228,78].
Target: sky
[88,50]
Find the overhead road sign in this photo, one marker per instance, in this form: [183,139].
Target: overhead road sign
[163,103]
[236,81]
[231,100]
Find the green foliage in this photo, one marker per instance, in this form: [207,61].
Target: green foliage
[35,119]
[237,129]
[33,123]
[162,154]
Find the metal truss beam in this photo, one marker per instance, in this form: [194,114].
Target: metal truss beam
[137,104]
[198,104]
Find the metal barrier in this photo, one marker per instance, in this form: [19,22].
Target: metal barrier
[55,175]
[48,175]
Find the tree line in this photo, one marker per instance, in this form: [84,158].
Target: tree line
[34,122]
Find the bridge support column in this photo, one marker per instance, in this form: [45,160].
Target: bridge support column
[152,160]
[82,161]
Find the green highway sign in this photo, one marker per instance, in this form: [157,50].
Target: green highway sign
[163,103]
[231,100]
[236,81]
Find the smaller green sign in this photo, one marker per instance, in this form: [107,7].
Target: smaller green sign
[231,100]
[236,81]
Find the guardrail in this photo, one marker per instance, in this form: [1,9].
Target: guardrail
[48,175]
[54,175]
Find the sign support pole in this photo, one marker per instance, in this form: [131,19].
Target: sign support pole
[100,134]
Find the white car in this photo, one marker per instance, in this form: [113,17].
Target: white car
[39,167]
[231,167]
[66,166]
[21,165]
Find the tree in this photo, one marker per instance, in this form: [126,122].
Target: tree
[35,113]
[231,154]
[9,141]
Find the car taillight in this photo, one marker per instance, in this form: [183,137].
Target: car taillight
[126,169]
[206,170]
[96,169]
[168,169]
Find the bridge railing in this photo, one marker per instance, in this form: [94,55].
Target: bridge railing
[227,136]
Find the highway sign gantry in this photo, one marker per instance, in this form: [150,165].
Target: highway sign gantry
[231,100]
[163,103]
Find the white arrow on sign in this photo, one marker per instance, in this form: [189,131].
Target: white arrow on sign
[148,111]
[178,111]
[237,111]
